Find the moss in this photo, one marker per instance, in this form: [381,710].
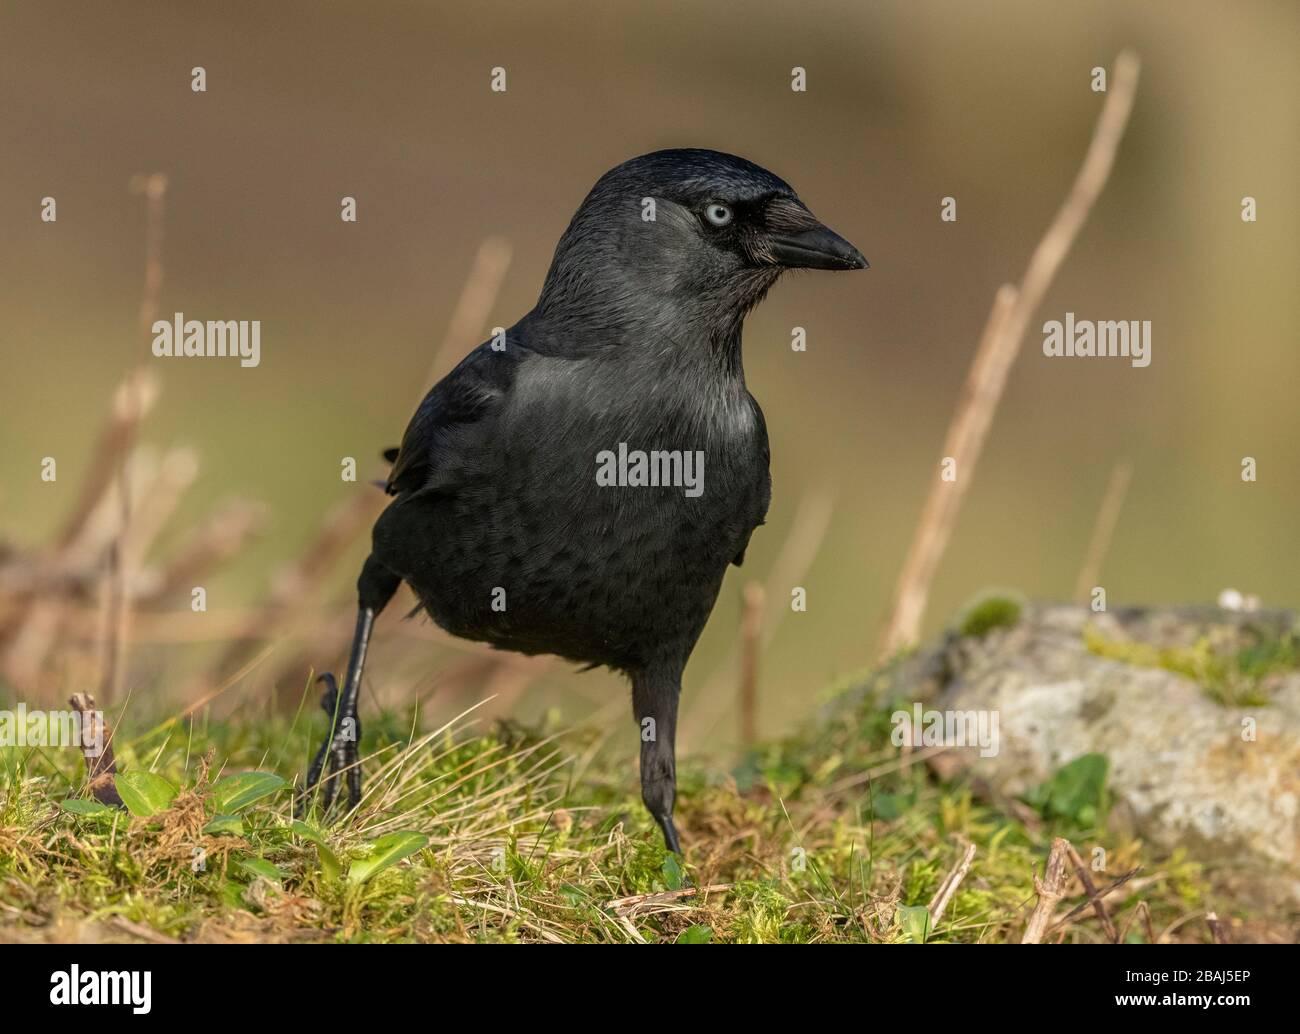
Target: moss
[1235,676]
[995,610]
[818,837]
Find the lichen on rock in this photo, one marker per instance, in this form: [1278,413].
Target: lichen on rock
[1197,711]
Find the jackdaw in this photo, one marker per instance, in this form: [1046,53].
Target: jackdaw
[580,487]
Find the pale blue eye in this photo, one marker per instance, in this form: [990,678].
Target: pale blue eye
[718,215]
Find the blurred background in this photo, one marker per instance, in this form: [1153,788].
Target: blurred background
[907,102]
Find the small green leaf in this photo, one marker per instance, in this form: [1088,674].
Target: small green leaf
[384,852]
[915,920]
[889,806]
[144,793]
[1076,793]
[239,791]
[674,878]
[330,865]
[307,832]
[85,806]
[261,867]
[697,934]
[225,824]
[329,861]
[574,895]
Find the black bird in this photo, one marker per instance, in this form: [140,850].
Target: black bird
[506,524]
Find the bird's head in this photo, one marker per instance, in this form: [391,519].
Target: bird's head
[685,238]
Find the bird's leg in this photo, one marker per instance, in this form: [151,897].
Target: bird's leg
[329,704]
[340,746]
[376,587]
[654,703]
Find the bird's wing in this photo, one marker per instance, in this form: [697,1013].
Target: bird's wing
[739,558]
[446,422]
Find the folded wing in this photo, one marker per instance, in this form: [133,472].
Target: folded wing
[440,442]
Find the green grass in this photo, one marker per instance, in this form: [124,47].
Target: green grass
[500,834]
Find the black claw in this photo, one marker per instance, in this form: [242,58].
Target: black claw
[338,754]
[330,698]
[670,835]
[328,750]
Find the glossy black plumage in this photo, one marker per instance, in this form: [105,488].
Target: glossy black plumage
[499,524]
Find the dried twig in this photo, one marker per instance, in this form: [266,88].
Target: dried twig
[145,933]
[1104,529]
[30,631]
[154,188]
[1145,912]
[1050,889]
[629,905]
[894,765]
[1094,896]
[965,439]
[97,747]
[224,534]
[751,632]
[807,532]
[473,307]
[949,886]
[117,607]
[295,588]
[159,499]
[1012,309]
[132,401]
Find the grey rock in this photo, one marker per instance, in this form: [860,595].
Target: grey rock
[1183,773]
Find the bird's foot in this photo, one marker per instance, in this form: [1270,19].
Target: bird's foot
[670,835]
[337,755]
[669,830]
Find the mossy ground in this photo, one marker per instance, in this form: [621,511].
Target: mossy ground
[531,835]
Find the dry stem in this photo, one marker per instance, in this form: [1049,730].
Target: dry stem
[1012,309]
[1051,888]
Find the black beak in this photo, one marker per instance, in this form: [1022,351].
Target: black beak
[817,248]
